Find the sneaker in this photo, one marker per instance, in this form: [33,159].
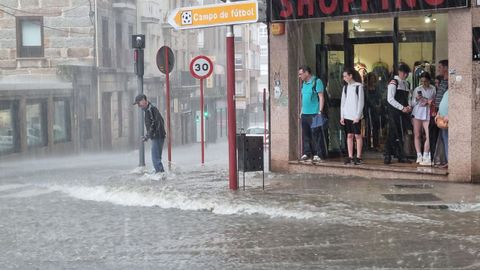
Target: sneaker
[419,159]
[304,157]
[349,161]
[426,162]
[317,159]
[358,161]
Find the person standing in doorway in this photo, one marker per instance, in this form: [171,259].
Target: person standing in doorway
[443,114]
[351,113]
[398,113]
[442,72]
[423,98]
[313,103]
[155,127]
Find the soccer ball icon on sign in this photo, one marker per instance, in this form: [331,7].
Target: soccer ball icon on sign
[187,17]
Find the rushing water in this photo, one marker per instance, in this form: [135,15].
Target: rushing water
[100,212]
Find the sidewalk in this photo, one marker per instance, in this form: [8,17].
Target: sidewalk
[432,194]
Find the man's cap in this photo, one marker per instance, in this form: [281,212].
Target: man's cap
[139,98]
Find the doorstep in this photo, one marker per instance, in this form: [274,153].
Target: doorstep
[370,169]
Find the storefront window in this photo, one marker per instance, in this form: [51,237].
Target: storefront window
[61,125]
[36,127]
[423,42]
[365,27]
[8,131]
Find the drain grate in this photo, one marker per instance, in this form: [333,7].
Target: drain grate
[419,186]
[412,197]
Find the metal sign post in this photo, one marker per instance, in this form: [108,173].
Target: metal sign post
[165,62]
[229,13]
[201,67]
[138,43]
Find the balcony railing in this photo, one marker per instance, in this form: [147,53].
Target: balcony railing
[125,4]
[152,12]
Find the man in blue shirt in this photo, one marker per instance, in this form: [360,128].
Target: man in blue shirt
[313,104]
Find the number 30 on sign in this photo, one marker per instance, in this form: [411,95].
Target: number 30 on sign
[201,67]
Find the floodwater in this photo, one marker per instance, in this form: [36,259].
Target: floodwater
[101,212]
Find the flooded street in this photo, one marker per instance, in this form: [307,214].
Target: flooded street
[99,212]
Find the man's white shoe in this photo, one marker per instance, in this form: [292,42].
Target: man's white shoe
[304,157]
[316,158]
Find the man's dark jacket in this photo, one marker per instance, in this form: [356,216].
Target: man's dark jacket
[154,123]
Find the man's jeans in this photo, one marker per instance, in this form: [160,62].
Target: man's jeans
[445,141]
[313,139]
[157,147]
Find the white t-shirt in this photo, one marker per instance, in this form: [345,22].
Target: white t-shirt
[422,111]
[352,104]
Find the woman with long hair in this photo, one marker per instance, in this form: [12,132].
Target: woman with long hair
[422,99]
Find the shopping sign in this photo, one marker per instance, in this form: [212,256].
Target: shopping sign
[201,67]
[285,10]
[214,15]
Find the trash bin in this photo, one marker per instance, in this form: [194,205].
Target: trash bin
[250,156]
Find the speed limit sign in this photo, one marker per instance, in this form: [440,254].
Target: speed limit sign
[201,67]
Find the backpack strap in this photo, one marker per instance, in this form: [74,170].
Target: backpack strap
[314,88]
[345,90]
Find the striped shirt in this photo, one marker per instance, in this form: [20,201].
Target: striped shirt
[442,88]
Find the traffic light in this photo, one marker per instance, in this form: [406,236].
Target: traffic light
[197,118]
[205,114]
[138,43]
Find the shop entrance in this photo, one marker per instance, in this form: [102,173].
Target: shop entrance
[331,61]
[375,47]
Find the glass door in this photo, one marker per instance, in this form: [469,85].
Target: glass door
[330,64]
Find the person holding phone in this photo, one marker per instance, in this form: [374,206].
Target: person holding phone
[422,100]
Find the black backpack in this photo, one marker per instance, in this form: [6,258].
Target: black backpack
[325,97]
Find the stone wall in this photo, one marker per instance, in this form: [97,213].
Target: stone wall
[67,35]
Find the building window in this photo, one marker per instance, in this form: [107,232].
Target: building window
[30,36]
[106,51]
[120,113]
[262,31]
[240,88]
[119,44]
[61,121]
[36,124]
[9,135]
[238,61]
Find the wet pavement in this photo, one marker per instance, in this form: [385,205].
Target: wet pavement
[100,212]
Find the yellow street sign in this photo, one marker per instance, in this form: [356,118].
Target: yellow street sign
[214,15]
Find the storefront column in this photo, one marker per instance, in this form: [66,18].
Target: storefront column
[284,93]
[463,116]
[475,99]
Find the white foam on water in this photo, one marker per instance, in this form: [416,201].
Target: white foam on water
[11,186]
[464,207]
[28,193]
[167,197]
[227,204]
